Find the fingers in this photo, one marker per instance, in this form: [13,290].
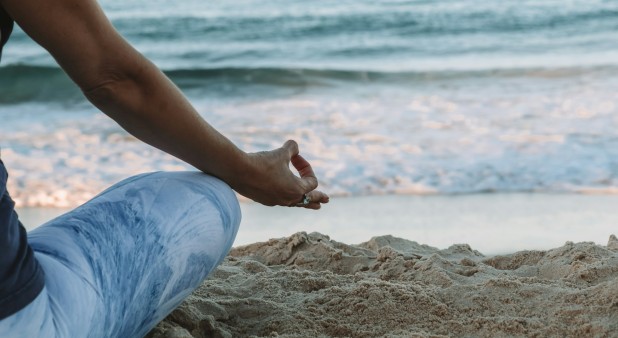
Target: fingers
[299,162]
[303,167]
[307,176]
[317,198]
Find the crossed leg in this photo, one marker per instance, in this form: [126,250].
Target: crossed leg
[120,263]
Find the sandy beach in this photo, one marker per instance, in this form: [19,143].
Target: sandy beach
[469,149]
[308,285]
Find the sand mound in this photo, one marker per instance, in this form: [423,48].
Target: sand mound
[308,285]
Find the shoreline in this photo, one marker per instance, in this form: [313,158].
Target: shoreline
[309,284]
[491,223]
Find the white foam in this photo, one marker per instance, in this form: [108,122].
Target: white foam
[532,134]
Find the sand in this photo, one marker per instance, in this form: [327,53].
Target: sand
[308,285]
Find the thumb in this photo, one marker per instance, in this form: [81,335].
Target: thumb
[291,147]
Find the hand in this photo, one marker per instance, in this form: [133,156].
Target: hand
[269,180]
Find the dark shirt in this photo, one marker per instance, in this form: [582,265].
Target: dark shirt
[21,276]
[6,27]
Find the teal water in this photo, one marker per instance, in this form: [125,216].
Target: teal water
[386,97]
[223,47]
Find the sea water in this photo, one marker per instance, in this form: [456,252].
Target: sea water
[384,97]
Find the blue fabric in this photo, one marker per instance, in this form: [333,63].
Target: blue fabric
[21,278]
[120,263]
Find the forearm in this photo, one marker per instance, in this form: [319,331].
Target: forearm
[148,105]
[132,91]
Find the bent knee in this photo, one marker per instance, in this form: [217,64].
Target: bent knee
[176,193]
[194,186]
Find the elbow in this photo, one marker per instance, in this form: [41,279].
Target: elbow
[112,81]
[103,86]
[121,93]
[116,98]
[114,92]
[100,93]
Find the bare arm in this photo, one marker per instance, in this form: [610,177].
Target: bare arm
[132,91]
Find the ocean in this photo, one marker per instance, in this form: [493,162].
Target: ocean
[453,97]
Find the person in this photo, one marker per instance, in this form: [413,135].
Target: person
[120,263]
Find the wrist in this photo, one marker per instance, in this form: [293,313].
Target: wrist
[237,168]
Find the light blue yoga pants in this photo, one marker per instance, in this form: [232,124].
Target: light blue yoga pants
[120,263]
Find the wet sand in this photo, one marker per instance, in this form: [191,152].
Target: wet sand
[491,223]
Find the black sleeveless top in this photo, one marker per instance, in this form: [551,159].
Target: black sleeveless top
[21,276]
[6,27]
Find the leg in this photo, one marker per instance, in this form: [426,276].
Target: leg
[35,320]
[120,263]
